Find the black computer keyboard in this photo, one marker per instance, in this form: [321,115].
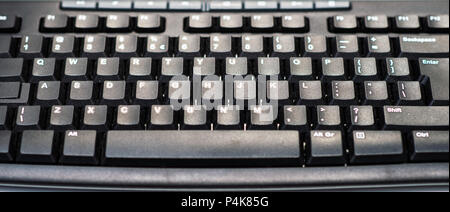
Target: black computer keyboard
[281,85]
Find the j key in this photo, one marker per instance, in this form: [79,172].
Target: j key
[220,45]
[199,23]
[48,93]
[157,46]
[107,69]
[128,117]
[347,46]
[328,117]
[344,23]
[146,92]
[228,117]
[245,89]
[294,23]
[231,22]
[225,148]
[325,148]
[438,23]
[28,117]
[416,117]
[55,23]
[37,147]
[283,45]
[3,117]
[300,68]
[95,117]
[5,46]
[87,23]
[426,46]
[79,147]
[179,91]
[365,69]
[170,67]
[81,93]
[310,93]
[126,46]
[149,23]
[118,23]
[407,22]
[295,117]
[5,146]
[379,46]
[429,146]
[195,117]
[333,69]
[63,46]
[140,69]
[9,23]
[162,117]
[189,45]
[94,46]
[43,69]
[362,117]
[436,75]
[409,93]
[263,117]
[278,91]
[315,45]
[31,46]
[236,66]
[376,23]
[252,45]
[268,66]
[11,69]
[61,117]
[75,69]
[114,92]
[375,147]
[212,90]
[343,93]
[204,66]
[262,23]
[376,93]
[397,69]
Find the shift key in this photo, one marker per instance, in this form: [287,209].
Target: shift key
[419,46]
[416,117]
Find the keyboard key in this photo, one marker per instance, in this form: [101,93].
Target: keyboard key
[409,93]
[37,147]
[179,91]
[429,146]
[224,148]
[146,92]
[325,148]
[87,23]
[204,66]
[162,118]
[5,46]
[343,93]
[426,46]
[245,90]
[344,23]
[347,46]
[171,67]
[107,69]
[332,5]
[236,66]
[95,117]
[114,92]
[79,4]
[63,46]
[94,46]
[28,117]
[5,146]
[189,45]
[310,93]
[128,117]
[218,5]
[126,46]
[252,45]
[295,118]
[157,46]
[3,117]
[294,23]
[262,23]
[416,117]
[61,117]
[315,45]
[149,23]
[228,117]
[438,23]
[333,68]
[150,5]
[376,93]
[79,147]
[296,5]
[278,91]
[283,45]
[118,23]
[436,75]
[11,69]
[186,5]
[81,93]
[43,69]
[75,69]
[407,22]
[397,69]
[375,147]
[9,23]
[231,22]
[212,92]
[379,46]
[262,117]
[140,69]
[376,23]
[199,23]
[55,23]
[31,46]
[362,117]
[300,68]
[220,45]
[48,93]
[328,117]
[268,66]
[365,69]
[10,90]
[114,5]
[195,117]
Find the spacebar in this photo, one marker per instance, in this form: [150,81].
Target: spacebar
[203,148]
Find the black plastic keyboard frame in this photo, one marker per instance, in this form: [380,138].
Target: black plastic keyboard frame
[432,176]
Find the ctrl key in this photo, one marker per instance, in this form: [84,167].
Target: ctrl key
[429,146]
[79,147]
[37,146]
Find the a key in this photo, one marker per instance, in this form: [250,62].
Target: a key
[75,69]
[114,92]
[87,23]
[283,46]
[424,46]
[149,23]
[262,23]
[435,72]
[328,117]
[31,46]
[146,92]
[407,23]
[262,117]
[295,117]
[429,146]
[128,117]
[95,117]
[5,146]
[347,46]
[300,69]
[438,23]
[252,45]
[199,23]
[118,23]
[162,117]
[79,147]
[5,46]
[48,93]
[157,46]
[61,117]
[228,117]
[376,23]
[126,46]
[278,91]
[195,117]
[409,93]
[94,46]
[107,69]
[11,69]
[55,23]
[4,119]
[231,23]
[310,93]
[236,66]
[294,23]
[416,117]
[315,46]
[333,68]
[28,118]
[343,93]
[376,147]
[376,93]
[37,147]
[204,66]
[325,148]
[9,23]
[379,46]
[344,23]
[171,67]
[362,117]
[63,46]
[43,69]
[397,69]
[189,45]
[268,66]
[81,93]
[220,45]
[140,69]
[365,69]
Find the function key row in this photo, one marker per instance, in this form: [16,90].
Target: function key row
[197,5]
[150,23]
[383,23]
